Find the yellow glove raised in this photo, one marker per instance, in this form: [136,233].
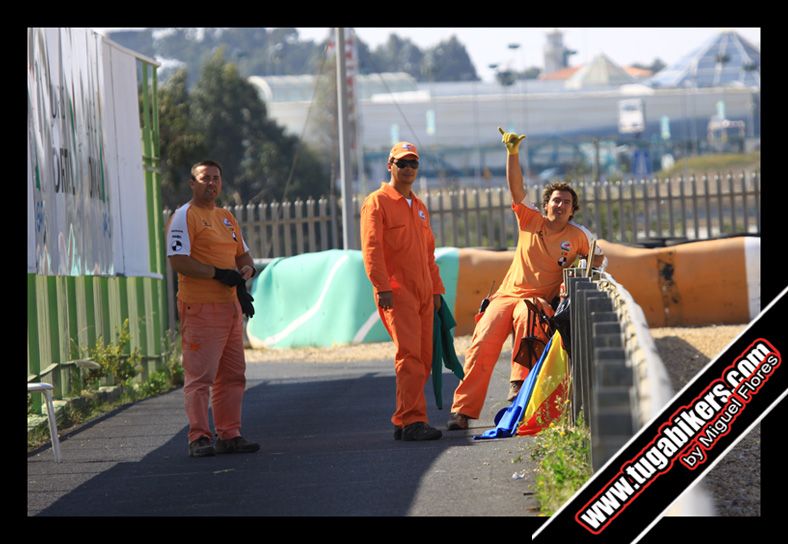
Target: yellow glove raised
[512,141]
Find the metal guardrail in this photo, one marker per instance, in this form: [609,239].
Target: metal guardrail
[619,382]
[602,379]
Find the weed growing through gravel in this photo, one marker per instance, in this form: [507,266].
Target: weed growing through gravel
[562,452]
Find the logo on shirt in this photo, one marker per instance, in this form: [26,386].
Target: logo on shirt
[422,215]
[227,223]
[562,261]
[177,245]
[565,245]
[234,238]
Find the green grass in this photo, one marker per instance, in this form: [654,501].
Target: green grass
[563,456]
[714,163]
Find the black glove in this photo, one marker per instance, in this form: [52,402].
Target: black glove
[245,299]
[228,276]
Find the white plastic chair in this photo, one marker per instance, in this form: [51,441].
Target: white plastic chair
[46,390]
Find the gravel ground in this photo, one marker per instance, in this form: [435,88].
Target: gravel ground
[337,354]
[685,351]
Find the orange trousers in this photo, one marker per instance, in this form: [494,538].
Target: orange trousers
[213,367]
[502,315]
[409,323]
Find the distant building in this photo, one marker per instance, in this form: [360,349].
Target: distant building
[566,73]
[724,60]
[638,73]
[600,72]
[559,75]
[556,55]
[455,123]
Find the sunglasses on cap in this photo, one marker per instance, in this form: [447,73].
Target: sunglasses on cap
[404,163]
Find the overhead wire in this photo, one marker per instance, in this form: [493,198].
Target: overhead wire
[402,113]
[296,154]
[300,143]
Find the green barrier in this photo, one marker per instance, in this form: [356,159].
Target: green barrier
[325,299]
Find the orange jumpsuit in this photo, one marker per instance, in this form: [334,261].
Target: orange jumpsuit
[398,249]
[211,321]
[536,271]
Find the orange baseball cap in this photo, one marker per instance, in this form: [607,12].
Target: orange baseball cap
[402,149]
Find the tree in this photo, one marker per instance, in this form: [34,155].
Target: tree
[182,142]
[279,51]
[397,55]
[231,114]
[224,119]
[323,128]
[367,61]
[506,78]
[322,131]
[655,66]
[448,61]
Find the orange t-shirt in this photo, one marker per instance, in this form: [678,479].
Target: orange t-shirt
[397,244]
[542,255]
[210,237]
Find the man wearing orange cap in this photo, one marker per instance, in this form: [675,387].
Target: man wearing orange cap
[398,249]
[547,243]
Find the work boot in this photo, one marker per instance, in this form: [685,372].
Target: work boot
[420,431]
[201,448]
[236,445]
[514,389]
[457,422]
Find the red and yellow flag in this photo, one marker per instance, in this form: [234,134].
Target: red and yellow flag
[550,391]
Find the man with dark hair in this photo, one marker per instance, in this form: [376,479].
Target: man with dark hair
[205,247]
[548,242]
[398,250]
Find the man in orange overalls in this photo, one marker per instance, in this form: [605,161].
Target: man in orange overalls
[546,245]
[398,250]
[207,250]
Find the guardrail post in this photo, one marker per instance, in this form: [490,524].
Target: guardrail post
[602,380]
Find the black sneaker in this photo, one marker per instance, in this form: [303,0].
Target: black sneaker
[236,445]
[457,422]
[201,448]
[420,431]
[397,433]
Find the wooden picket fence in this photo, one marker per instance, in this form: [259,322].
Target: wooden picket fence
[634,211]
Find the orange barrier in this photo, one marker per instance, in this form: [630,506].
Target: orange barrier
[696,283]
[478,269]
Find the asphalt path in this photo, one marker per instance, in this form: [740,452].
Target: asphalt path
[327,449]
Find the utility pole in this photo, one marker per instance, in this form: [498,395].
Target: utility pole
[348,219]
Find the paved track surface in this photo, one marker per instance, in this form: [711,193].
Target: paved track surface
[327,450]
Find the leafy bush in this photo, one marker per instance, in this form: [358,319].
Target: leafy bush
[157,383]
[113,359]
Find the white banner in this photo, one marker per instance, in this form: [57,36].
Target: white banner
[86,188]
